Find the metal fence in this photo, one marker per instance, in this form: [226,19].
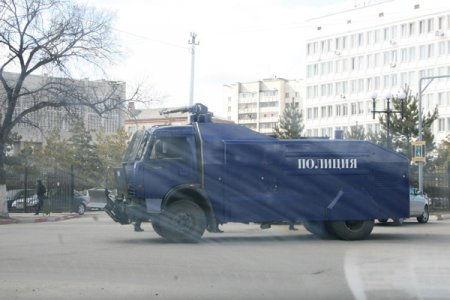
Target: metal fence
[436,186]
[60,187]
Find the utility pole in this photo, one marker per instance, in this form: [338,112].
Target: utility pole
[193,43]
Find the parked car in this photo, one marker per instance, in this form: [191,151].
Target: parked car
[79,205]
[97,199]
[418,207]
[80,202]
[32,202]
[13,195]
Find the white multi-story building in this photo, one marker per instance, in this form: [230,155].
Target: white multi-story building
[375,46]
[259,104]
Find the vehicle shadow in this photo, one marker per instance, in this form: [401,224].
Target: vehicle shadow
[149,237]
[375,237]
[156,240]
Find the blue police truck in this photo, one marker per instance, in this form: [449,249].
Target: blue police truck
[188,179]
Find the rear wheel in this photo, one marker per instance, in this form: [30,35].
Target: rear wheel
[425,216]
[183,221]
[320,228]
[352,230]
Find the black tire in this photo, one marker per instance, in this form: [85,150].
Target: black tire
[425,216]
[320,228]
[81,209]
[159,229]
[183,221]
[384,221]
[399,222]
[352,230]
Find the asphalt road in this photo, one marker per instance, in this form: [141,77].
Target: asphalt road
[94,258]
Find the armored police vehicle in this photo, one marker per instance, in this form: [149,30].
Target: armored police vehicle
[188,179]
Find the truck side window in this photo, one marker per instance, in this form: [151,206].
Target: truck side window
[140,150]
[169,148]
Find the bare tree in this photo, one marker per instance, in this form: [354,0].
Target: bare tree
[50,36]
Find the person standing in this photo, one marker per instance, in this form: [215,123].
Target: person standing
[40,191]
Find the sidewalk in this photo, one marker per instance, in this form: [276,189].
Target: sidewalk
[15,218]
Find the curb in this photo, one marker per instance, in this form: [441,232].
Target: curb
[7,221]
[37,219]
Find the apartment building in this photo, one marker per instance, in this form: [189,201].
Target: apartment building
[51,118]
[375,46]
[259,104]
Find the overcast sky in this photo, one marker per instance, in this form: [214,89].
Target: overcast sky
[240,41]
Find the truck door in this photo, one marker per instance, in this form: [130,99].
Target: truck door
[169,162]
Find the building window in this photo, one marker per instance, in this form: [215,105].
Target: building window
[403,30]
[430,24]
[344,109]
[353,108]
[441,124]
[422,27]
[441,99]
[386,35]
[360,39]
[338,110]
[412,28]
[412,53]
[441,49]
[422,52]
[394,32]
[441,23]
[360,108]
[309,113]
[430,50]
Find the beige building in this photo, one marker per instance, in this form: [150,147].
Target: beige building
[50,118]
[146,118]
[259,104]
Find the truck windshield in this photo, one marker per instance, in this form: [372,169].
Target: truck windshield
[136,146]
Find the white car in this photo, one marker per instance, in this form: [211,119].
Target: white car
[418,207]
[32,202]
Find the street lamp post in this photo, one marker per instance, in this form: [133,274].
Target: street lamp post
[387,96]
[421,90]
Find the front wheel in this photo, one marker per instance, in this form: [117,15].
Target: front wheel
[425,216]
[183,221]
[352,230]
[81,209]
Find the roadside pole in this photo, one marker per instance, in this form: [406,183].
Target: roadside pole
[430,78]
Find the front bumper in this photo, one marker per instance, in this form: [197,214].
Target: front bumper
[124,213]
